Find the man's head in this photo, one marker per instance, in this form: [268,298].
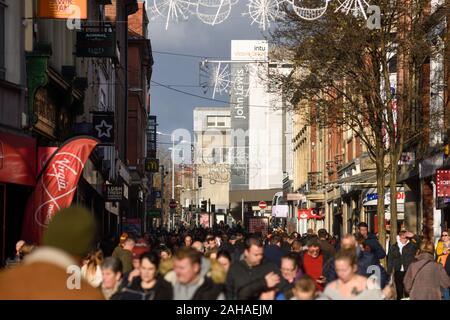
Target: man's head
[363,228]
[254,252]
[310,232]
[348,242]
[233,239]
[313,246]
[188,241]
[323,234]
[111,272]
[276,240]
[129,244]
[305,288]
[187,265]
[402,237]
[289,267]
[198,246]
[296,246]
[211,242]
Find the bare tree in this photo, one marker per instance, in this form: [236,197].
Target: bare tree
[346,73]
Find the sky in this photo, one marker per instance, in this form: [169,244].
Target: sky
[193,37]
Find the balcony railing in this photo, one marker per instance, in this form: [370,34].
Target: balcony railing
[315,180]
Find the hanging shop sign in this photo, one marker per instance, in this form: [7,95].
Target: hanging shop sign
[96,44]
[113,193]
[62,9]
[103,127]
[152,165]
[443,183]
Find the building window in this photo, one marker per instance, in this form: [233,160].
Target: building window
[218,121]
[2,39]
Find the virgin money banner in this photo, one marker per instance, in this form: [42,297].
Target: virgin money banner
[44,154]
[56,186]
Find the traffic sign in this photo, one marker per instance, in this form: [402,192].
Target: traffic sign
[262,205]
[172,204]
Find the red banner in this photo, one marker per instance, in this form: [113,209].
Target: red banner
[44,154]
[56,186]
[309,214]
[443,183]
[305,214]
[17,159]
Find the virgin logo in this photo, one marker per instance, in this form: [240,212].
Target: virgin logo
[59,172]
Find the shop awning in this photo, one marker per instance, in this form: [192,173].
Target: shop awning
[17,159]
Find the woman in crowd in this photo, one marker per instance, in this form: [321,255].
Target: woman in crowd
[350,285]
[442,252]
[149,285]
[92,271]
[224,258]
[425,277]
[112,277]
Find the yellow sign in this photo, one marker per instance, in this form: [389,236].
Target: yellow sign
[152,165]
[62,9]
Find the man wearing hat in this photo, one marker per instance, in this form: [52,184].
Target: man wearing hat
[51,272]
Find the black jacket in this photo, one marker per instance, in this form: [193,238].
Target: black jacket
[161,291]
[375,246]
[208,290]
[247,283]
[395,259]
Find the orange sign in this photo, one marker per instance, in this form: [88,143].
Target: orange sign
[62,9]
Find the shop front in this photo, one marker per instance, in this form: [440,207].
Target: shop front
[17,180]
[370,200]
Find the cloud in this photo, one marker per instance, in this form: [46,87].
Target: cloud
[192,36]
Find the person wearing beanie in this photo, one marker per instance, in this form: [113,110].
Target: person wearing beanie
[52,271]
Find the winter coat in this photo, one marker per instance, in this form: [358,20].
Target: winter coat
[395,260]
[326,247]
[424,278]
[440,253]
[247,283]
[209,290]
[274,253]
[126,257]
[375,246]
[203,289]
[161,291]
[44,276]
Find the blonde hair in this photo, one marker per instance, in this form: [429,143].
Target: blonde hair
[95,260]
[217,273]
[426,247]
[165,266]
[27,249]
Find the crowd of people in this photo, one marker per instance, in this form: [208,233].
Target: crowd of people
[224,263]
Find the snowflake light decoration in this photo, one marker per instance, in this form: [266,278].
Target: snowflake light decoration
[356,7]
[263,12]
[217,77]
[308,13]
[171,10]
[213,12]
